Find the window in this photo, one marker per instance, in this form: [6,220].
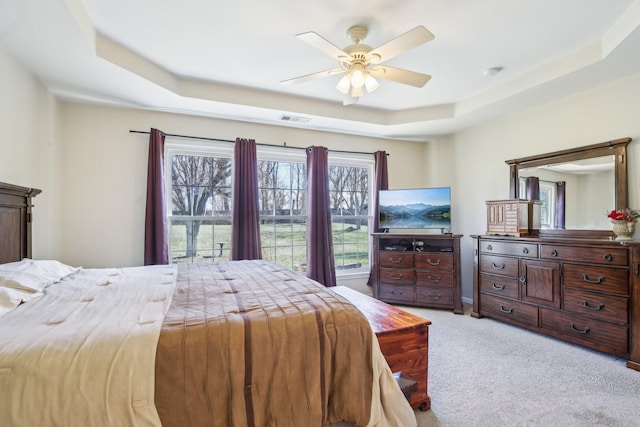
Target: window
[547,202]
[199,214]
[199,204]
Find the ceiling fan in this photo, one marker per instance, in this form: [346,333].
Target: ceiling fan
[361,64]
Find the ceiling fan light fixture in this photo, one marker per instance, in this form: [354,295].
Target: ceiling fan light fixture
[344,85]
[356,91]
[371,83]
[357,78]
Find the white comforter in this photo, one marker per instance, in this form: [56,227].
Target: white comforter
[83,354]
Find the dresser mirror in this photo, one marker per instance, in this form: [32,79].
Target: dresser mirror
[593,179]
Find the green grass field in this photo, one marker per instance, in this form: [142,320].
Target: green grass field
[282,243]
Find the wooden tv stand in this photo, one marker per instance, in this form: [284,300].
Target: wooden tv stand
[417,269]
[403,338]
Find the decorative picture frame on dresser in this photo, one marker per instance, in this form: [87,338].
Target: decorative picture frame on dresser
[577,285]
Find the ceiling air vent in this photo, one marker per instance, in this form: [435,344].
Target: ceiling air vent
[296,119]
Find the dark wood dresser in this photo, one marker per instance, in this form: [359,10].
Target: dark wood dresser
[403,339]
[417,269]
[585,291]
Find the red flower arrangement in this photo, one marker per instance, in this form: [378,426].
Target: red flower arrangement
[627,215]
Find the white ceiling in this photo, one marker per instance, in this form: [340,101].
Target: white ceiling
[226,59]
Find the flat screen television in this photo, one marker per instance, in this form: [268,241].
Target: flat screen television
[418,208]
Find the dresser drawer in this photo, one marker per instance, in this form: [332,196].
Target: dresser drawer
[609,308]
[509,248]
[500,286]
[395,259]
[508,310]
[435,296]
[397,293]
[434,278]
[499,265]
[597,278]
[591,255]
[434,260]
[593,333]
[396,276]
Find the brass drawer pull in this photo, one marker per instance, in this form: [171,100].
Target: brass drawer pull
[395,276]
[596,308]
[505,310]
[498,267]
[497,288]
[573,328]
[395,260]
[607,257]
[595,282]
[396,292]
[435,297]
[554,253]
[433,263]
[525,250]
[434,279]
[489,247]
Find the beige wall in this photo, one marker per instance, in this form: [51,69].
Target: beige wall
[30,148]
[92,170]
[597,115]
[104,172]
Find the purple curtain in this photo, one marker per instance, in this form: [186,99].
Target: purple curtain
[320,262]
[532,188]
[156,250]
[245,224]
[382,183]
[560,202]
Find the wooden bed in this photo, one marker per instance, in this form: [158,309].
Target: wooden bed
[242,343]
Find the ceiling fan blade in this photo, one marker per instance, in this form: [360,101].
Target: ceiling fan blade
[399,75]
[409,40]
[313,76]
[324,45]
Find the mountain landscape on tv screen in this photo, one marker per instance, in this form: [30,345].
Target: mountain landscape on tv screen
[415,215]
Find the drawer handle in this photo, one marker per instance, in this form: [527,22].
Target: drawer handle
[497,288]
[505,310]
[525,250]
[395,260]
[396,292]
[595,282]
[434,297]
[433,263]
[498,267]
[607,257]
[523,279]
[573,328]
[554,253]
[395,276]
[434,279]
[596,308]
[489,247]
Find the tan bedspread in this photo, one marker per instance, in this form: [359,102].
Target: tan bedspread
[250,343]
[82,354]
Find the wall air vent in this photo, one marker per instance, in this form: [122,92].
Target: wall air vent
[296,119]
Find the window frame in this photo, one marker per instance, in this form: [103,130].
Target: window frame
[175,146]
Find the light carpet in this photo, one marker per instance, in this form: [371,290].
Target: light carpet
[487,373]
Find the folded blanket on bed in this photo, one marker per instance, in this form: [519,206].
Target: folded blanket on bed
[250,343]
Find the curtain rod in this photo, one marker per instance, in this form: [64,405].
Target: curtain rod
[233,142]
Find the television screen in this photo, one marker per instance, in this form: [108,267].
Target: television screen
[415,208]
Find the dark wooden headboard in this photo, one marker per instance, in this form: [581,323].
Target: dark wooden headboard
[15,221]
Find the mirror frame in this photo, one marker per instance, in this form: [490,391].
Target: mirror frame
[616,147]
